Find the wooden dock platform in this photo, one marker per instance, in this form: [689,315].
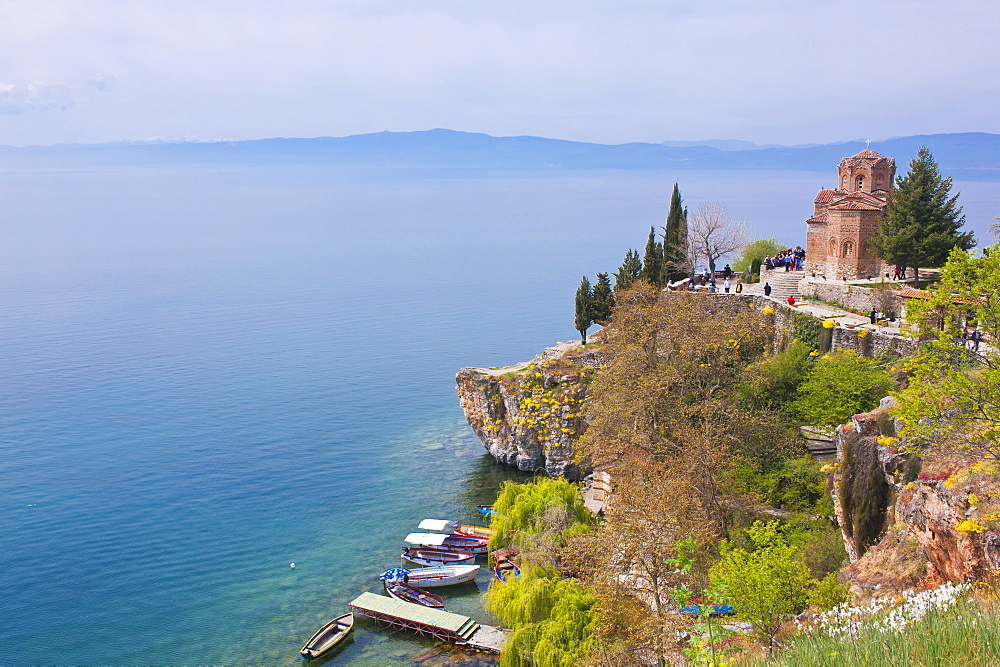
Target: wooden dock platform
[443,625]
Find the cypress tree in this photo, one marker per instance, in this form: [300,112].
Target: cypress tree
[674,240]
[584,308]
[629,271]
[652,259]
[921,222]
[604,299]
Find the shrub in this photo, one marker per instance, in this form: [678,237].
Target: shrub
[839,386]
[828,593]
[765,585]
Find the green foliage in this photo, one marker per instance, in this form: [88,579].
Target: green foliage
[584,308]
[808,329]
[604,299]
[753,255]
[963,634]
[675,240]
[652,259]
[828,593]
[628,272]
[543,506]
[553,619]
[798,484]
[922,221]
[771,384]
[765,584]
[946,400]
[864,494]
[839,386]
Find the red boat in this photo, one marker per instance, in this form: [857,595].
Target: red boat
[435,557]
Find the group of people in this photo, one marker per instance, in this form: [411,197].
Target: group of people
[971,339]
[705,281]
[791,260]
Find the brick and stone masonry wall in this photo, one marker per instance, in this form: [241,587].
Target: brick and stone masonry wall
[847,296]
[865,342]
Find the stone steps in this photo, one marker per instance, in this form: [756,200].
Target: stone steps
[783,284]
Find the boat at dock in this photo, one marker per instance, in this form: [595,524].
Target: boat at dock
[504,570]
[437,557]
[328,636]
[431,577]
[415,595]
[476,545]
[442,526]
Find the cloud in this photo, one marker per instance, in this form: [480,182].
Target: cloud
[45,96]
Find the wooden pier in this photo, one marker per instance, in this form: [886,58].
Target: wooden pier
[442,625]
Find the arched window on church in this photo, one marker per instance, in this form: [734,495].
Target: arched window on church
[848,248]
[833,248]
[861,182]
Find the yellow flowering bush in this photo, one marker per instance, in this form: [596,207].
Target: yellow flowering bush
[971,526]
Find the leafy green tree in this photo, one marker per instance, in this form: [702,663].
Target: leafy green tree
[628,272]
[953,394]
[604,299]
[839,386]
[766,584]
[652,259]
[584,308]
[922,220]
[773,383]
[675,241]
[754,253]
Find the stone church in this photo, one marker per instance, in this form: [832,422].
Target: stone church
[846,218]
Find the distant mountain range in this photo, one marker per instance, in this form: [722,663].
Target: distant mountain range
[970,155]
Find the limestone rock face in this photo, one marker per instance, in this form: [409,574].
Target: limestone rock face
[933,512]
[531,414]
[874,487]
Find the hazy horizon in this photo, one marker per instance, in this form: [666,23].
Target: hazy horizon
[95,71]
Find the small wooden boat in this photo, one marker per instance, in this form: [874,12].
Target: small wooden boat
[430,577]
[476,545]
[408,593]
[442,526]
[485,510]
[328,636]
[504,570]
[435,557]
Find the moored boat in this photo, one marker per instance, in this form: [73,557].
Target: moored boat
[408,593]
[436,557]
[476,545]
[504,570]
[430,577]
[442,526]
[328,636]
[485,510]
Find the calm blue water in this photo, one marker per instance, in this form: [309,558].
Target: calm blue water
[208,375]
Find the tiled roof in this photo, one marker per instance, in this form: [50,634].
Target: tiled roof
[826,196]
[869,156]
[818,218]
[852,205]
[858,201]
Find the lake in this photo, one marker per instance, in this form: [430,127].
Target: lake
[210,374]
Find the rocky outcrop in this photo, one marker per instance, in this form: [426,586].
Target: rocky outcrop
[885,502]
[531,414]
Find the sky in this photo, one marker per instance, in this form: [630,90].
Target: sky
[767,71]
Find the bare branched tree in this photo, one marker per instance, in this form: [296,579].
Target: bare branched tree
[712,233]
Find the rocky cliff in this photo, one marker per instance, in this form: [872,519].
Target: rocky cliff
[529,415]
[909,520]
